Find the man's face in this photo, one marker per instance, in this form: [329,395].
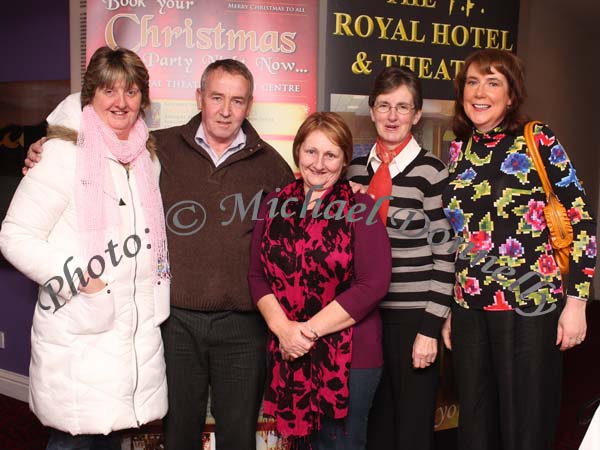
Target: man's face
[225,102]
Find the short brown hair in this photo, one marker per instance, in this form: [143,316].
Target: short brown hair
[232,67]
[107,66]
[509,65]
[391,78]
[333,126]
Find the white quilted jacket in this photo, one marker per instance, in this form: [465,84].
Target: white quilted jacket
[97,361]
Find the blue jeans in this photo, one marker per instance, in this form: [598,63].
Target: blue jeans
[59,440]
[350,434]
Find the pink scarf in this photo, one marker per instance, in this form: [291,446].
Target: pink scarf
[96,210]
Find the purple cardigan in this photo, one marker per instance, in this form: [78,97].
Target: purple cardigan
[372,267]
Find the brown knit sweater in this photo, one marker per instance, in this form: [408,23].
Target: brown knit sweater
[210,265]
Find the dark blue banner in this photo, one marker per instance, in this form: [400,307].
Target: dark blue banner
[432,37]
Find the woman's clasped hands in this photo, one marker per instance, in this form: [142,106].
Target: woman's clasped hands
[295,340]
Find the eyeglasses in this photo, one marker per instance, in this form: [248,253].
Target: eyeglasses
[401,108]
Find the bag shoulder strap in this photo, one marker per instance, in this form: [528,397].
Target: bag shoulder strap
[534,153]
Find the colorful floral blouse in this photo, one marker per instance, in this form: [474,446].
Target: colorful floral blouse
[495,202]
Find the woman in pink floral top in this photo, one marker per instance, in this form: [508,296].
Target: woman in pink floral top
[513,314]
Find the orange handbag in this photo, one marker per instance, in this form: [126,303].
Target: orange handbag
[559,225]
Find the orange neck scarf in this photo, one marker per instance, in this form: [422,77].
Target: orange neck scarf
[381,183]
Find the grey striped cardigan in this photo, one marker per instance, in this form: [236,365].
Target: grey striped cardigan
[421,239]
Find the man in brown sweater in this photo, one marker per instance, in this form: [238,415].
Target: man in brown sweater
[212,169]
[214,338]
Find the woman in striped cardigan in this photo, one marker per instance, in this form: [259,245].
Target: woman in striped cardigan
[420,293]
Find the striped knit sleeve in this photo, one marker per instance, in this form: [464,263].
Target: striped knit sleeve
[441,239]
[357,171]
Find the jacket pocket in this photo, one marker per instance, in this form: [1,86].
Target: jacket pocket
[92,313]
[162,300]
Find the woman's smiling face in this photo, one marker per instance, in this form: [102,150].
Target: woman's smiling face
[320,161]
[486,98]
[118,107]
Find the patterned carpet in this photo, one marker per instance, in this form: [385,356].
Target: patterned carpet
[19,428]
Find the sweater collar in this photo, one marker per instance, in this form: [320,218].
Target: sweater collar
[401,161]
[492,132]
[486,137]
[253,140]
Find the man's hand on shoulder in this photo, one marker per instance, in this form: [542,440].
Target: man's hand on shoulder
[358,188]
[34,155]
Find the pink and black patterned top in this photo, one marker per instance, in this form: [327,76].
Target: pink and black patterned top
[307,261]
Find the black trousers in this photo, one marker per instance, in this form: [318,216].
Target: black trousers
[403,412]
[508,371]
[226,353]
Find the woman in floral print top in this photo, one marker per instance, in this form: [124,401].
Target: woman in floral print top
[510,320]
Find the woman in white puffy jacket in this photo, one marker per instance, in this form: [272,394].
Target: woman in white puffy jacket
[87,225]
